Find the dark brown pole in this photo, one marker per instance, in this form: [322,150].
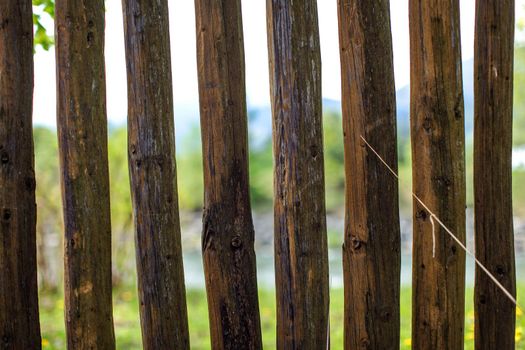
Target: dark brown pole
[301,254]
[495,314]
[438,156]
[82,138]
[371,250]
[228,235]
[151,153]
[19,321]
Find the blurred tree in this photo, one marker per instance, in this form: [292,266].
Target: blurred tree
[42,37]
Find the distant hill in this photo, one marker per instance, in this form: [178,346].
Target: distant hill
[261,126]
[260,118]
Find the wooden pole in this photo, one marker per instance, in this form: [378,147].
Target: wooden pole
[228,234]
[371,250]
[495,314]
[19,319]
[301,254]
[151,155]
[82,138]
[438,156]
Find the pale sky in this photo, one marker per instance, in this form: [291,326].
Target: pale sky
[183,50]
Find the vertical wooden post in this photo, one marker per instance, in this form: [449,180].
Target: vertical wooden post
[301,254]
[228,235]
[438,155]
[151,153]
[82,138]
[495,314]
[19,320]
[371,250]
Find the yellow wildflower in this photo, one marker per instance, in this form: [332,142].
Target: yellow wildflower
[407,342]
[126,296]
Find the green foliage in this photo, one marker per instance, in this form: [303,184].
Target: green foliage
[127,325]
[333,161]
[189,171]
[519,96]
[42,37]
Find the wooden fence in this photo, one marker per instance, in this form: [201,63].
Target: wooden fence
[371,250]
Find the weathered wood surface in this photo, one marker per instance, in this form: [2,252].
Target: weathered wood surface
[438,156]
[495,314]
[301,254]
[151,155]
[82,138]
[19,320]
[371,250]
[228,234]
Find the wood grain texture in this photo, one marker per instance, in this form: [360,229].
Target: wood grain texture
[228,234]
[82,139]
[19,319]
[438,156]
[371,250]
[495,314]
[151,155]
[301,254]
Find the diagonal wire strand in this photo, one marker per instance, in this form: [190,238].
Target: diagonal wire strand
[433,217]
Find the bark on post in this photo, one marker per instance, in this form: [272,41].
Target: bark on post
[371,250]
[151,154]
[301,254]
[82,138]
[438,155]
[19,320]
[228,235]
[495,314]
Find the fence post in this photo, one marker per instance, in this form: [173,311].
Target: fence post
[82,138]
[19,319]
[301,254]
[228,234]
[371,250]
[151,156]
[438,156]
[495,314]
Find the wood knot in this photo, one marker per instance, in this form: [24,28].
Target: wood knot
[90,38]
[500,270]
[4,157]
[236,242]
[314,152]
[385,314]
[482,299]
[30,183]
[422,214]
[6,215]
[365,342]
[427,124]
[356,243]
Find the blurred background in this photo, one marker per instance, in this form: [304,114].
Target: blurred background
[189,165]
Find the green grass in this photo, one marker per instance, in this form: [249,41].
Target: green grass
[127,325]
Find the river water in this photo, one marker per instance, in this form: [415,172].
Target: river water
[266,276]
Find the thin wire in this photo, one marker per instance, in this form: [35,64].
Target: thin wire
[328,319]
[433,216]
[433,236]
